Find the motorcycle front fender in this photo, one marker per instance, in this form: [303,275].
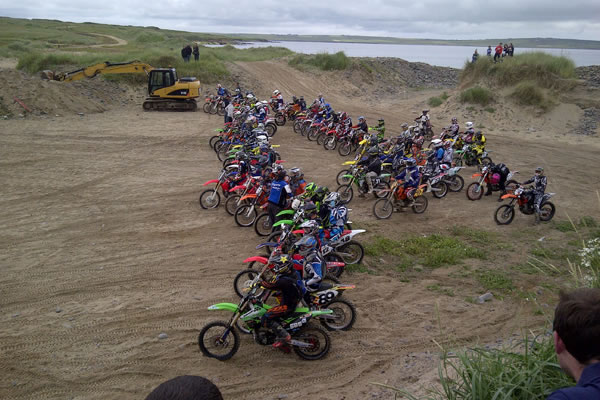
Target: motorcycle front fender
[224,307]
[286,212]
[283,222]
[210,182]
[262,260]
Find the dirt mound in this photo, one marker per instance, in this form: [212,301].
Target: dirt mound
[60,98]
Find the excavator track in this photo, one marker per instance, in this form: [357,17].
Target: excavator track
[158,104]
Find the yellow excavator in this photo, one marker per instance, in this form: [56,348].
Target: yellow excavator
[165,90]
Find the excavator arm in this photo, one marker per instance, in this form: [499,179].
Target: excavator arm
[131,67]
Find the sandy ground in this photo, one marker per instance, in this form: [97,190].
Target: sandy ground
[104,247]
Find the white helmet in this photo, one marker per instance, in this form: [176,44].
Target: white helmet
[469,125]
[249,96]
[265,103]
[295,204]
[276,92]
[436,142]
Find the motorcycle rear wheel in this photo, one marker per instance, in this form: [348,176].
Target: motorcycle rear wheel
[456,183]
[504,214]
[209,341]
[312,134]
[420,205]
[547,211]
[280,119]
[317,337]
[271,129]
[383,209]
[474,191]
[344,313]
[443,189]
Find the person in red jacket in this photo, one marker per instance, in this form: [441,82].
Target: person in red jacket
[498,53]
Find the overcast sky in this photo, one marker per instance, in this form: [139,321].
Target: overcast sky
[447,19]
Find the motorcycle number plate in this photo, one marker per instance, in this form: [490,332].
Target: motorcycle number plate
[327,296]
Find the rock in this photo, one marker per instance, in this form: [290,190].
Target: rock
[163,336]
[542,239]
[484,297]
[81,114]
[58,309]
[281,396]
[15,315]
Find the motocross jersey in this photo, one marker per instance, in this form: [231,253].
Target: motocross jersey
[313,273]
[279,192]
[338,216]
[539,183]
[410,177]
[448,153]
[453,130]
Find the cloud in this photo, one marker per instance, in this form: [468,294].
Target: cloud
[457,19]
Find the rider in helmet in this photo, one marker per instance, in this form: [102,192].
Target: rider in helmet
[362,124]
[423,121]
[539,181]
[373,164]
[338,215]
[297,181]
[302,103]
[448,156]
[469,133]
[380,128]
[478,143]
[291,293]
[411,178]
[308,247]
[453,129]
[277,95]
[320,100]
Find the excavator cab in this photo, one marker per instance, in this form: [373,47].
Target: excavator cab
[161,78]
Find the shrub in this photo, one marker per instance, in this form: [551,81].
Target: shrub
[529,94]
[149,38]
[435,101]
[324,61]
[476,95]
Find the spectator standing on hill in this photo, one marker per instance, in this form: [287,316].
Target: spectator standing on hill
[511,50]
[505,50]
[196,52]
[475,56]
[186,52]
[498,52]
[489,51]
[577,343]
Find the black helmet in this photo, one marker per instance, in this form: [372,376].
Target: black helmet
[381,121]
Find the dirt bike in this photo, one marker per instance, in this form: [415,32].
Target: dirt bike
[246,214]
[210,198]
[350,250]
[469,157]
[454,181]
[358,177]
[396,198]
[220,339]
[209,102]
[237,192]
[475,190]
[351,142]
[506,212]
[436,184]
[270,127]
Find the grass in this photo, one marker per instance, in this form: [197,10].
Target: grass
[526,370]
[435,101]
[476,95]
[491,110]
[441,290]
[494,281]
[431,251]
[527,93]
[444,96]
[545,70]
[323,61]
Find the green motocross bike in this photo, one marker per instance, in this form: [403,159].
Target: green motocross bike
[220,339]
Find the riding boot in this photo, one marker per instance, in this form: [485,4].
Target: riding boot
[502,193]
[283,337]
[489,191]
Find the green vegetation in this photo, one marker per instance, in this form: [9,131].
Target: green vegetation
[323,61]
[441,290]
[432,251]
[444,96]
[527,370]
[543,69]
[491,110]
[476,95]
[529,94]
[435,101]
[495,281]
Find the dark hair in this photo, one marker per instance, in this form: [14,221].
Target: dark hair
[187,387]
[577,322]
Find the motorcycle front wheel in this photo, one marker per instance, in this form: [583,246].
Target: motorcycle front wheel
[245,215]
[504,214]
[346,193]
[351,252]
[383,209]
[212,344]
[340,179]
[345,148]
[474,191]
[330,143]
[209,199]
[263,225]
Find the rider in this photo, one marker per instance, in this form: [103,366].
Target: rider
[380,128]
[453,129]
[411,178]
[290,296]
[423,119]
[302,103]
[308,248]
[362,125]
[373,163]
[503,171]
[277,95]
[469,133]
[297,181]
[448,154]
[338,215]
[478,143]
[280,191]
[539,181]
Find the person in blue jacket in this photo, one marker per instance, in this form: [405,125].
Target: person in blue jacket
[411,178]
[280,193]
